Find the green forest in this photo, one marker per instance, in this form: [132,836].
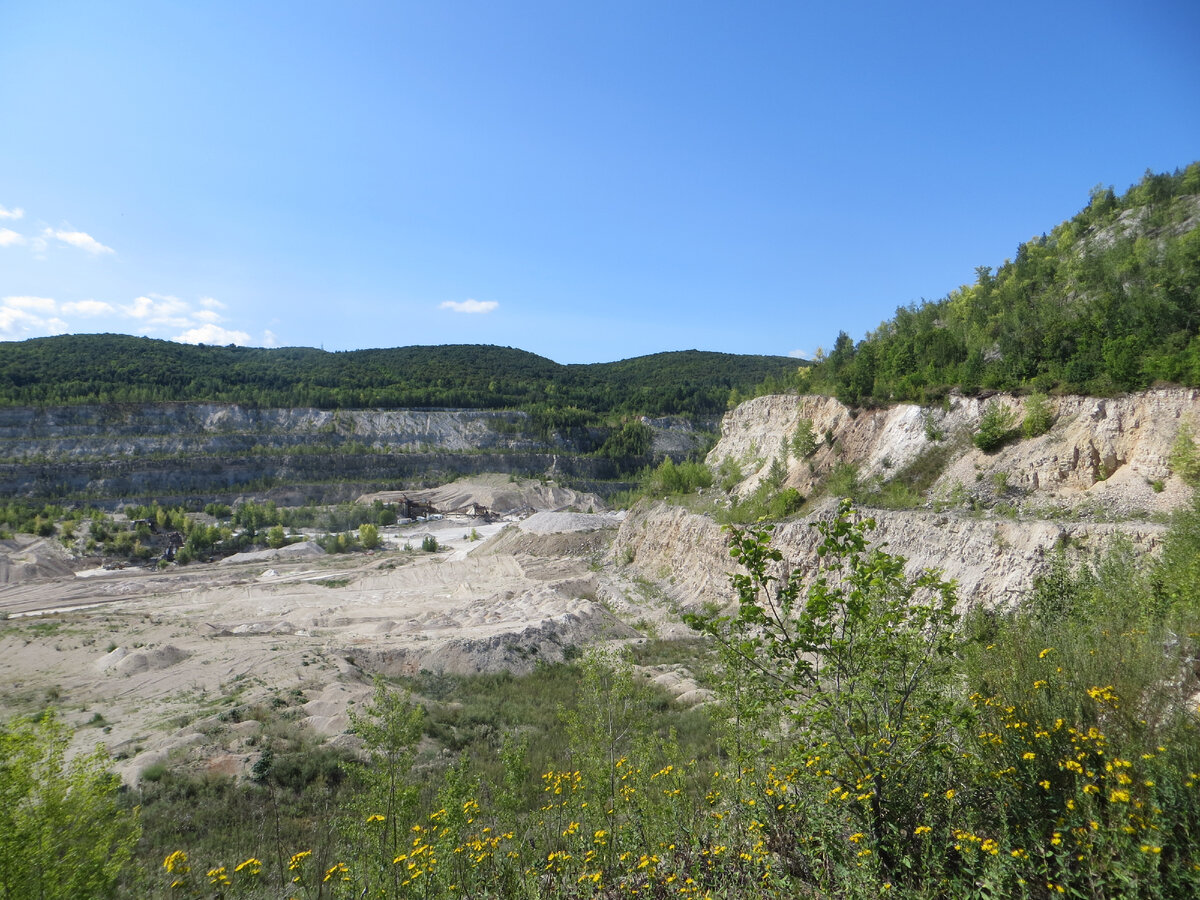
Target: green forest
[111,368]
[1106,302]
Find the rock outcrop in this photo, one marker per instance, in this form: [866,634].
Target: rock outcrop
[991,522]
[1111,454]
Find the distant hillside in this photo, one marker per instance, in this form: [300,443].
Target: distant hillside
[1108,301]
[111,368]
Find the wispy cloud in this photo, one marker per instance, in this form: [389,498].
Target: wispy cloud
[800,354]
[80,239]
[269,339]
[9,238]
[470,306]
[11,213]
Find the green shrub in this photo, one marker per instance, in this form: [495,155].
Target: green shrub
[729,473]
[276,537]
[368,536]
[1185,458]
[857,668]
[670,478]
[1039,415]
[996,427]
[62,833]
[804,441]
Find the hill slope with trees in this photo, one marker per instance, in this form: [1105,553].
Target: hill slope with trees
[1108,301]
[113,368]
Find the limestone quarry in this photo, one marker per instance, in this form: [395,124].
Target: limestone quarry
[156,663]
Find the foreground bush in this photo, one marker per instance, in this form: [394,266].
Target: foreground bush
[62,834]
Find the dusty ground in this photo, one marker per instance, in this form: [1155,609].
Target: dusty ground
[162,666]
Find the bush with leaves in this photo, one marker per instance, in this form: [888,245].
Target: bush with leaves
[804,441]
[1185,457]
[996,427]
[377,820]
[62,832]
[368,536]
[857,667]
[1039,415]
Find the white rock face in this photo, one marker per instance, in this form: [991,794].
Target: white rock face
[1102,459]
[1107,453]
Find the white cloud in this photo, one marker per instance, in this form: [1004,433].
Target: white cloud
[9,238]
[88,308]
[800,354]
[157,309]
[154,315]
[15,323]
[470,306]
[140,308]
[212,334]
[41,304]
[22,317]
[80,239]
[15,213]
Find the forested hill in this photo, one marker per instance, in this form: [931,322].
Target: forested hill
[111,368]
[1108,301]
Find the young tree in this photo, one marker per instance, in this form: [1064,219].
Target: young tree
[377,821]
[1039,415]
[62,832]
[276,537]
[368,535]
[857,667]
[804,441]
[996,427]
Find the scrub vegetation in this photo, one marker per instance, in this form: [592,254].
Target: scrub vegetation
[866,740]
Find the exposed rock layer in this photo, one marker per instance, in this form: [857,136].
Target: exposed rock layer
[990,521]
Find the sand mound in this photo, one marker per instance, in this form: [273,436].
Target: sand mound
[143,661]
[27,558]
[557,522]
[498,493]
[302,550]
[514,540]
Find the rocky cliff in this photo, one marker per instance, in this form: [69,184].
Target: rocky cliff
[176,449]
[1104,454]
[989,521]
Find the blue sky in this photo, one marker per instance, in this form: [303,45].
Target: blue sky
[590,181]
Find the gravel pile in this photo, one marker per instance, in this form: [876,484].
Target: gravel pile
[557,522]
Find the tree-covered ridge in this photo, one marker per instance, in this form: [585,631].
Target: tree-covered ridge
[112,368]
[1108,301]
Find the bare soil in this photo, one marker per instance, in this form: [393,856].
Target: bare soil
[168,666]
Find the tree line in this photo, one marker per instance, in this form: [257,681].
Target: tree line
[112,368]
